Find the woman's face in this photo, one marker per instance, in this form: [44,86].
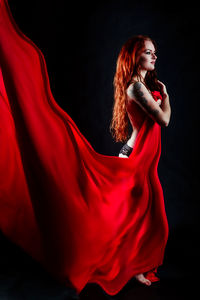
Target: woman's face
[147,57]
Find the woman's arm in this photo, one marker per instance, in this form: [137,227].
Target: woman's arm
[159,113]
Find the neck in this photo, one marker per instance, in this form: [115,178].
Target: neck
[141,77]
[143,74]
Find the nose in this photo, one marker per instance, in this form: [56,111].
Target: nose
[154,56]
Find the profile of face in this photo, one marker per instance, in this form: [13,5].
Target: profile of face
[147,57]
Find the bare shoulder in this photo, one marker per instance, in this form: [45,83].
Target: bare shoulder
[136,89]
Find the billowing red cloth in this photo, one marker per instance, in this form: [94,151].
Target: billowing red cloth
[84,216]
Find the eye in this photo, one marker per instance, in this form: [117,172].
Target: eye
[148,52]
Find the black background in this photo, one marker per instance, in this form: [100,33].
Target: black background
[81,42]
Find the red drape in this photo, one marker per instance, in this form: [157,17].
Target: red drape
[84,216]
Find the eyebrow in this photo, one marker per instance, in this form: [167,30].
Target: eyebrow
[150,50]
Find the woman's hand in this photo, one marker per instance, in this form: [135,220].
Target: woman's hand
[165,105]
[163,88]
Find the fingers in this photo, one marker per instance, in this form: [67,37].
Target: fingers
[163,87]
[159,102]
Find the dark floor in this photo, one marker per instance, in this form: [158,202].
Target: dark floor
[23,278]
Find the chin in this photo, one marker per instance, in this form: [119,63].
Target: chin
[151,68]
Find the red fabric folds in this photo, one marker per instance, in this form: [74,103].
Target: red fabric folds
[84,216]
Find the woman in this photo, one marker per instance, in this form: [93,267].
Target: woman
[135,83]
[86,217]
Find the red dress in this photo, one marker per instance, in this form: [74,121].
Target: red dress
[84,216]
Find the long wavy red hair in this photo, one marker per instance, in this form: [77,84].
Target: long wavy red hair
[127,67]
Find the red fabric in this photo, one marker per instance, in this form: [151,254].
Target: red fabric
[84,216]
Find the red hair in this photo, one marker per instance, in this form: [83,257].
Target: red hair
[127,67]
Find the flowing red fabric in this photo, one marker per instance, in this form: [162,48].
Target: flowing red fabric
[86,217]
